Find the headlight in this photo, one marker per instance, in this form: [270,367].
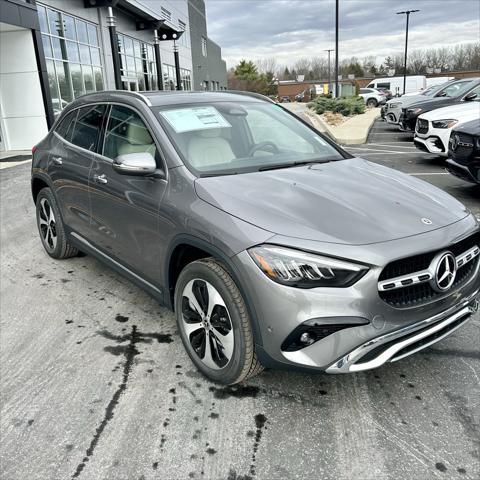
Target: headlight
[414,111]
[394,105]
[478,143]
[305,270]
[448,123]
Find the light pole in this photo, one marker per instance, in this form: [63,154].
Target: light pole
[336,48]
[407,13]
[329,76]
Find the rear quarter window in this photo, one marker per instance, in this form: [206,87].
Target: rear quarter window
[65,127]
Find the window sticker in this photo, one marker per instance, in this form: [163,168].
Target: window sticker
[195,118]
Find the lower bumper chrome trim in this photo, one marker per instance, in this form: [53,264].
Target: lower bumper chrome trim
[404,337]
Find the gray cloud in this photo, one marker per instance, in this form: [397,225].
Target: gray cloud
[289,29]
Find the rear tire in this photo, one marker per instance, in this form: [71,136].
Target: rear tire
[214,323]
[50,226]
[371,102]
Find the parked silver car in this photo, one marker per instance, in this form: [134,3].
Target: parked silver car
[273,245]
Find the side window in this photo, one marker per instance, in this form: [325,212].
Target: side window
[265,128]
[126,133]
[452,90]
[384,85]
[65,126]
[87,127]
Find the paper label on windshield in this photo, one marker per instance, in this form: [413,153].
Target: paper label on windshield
[195,118]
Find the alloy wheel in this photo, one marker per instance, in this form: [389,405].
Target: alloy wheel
[207,324]
[48,227]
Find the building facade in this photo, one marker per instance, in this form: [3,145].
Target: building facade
[210,71]
[52,51]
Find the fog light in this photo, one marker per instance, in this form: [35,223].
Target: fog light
[306,339]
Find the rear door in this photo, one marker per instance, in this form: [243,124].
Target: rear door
[70,161]
[125,207]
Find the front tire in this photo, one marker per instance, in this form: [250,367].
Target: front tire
[372,103]
[214,324]
[50,226]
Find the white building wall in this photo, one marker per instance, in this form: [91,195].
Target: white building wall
[22,113]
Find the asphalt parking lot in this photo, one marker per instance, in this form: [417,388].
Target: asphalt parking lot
[95,383]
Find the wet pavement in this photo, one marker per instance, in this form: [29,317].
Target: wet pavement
[95,384]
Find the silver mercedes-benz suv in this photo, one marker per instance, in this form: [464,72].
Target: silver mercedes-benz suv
[273,246]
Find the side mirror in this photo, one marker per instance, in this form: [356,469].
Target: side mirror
[141,163]
[471,96]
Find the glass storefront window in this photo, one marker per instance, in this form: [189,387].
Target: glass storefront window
[88,78]
[72,52]
[92,34]
[77,79]
[42,17]
[82,31]
[137,62]
[72,55]
[69,27]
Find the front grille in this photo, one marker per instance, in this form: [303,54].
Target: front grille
[461,145]
[422,125]
[421,293]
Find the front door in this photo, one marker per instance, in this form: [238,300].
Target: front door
[125,207]
[70,160]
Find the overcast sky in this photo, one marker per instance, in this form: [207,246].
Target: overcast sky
[289,29]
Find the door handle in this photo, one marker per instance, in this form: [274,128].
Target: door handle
[57,160]
[100,178]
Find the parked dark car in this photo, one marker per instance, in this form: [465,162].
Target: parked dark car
[464,151]
[273,245]
[457,92]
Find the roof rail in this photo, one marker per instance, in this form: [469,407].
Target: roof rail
[123,92]
[135,94]
[258,96]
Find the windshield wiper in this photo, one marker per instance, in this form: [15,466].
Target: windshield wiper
[278,166]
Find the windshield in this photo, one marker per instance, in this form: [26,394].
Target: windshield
[456,89]
[222,138]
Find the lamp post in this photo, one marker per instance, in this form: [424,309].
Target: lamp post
[407,13]
[329,76]
[336,48]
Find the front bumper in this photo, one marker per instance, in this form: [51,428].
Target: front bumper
[405,341]
[469,173]
[279,310]
[431,144]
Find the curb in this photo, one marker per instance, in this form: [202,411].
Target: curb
[343,137]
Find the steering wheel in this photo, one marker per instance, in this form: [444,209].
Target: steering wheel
[263,146]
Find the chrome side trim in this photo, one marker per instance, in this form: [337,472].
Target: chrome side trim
[468,256]
[347,363]
[426,275]
[118,264]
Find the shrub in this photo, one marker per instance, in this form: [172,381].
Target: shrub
[347,106]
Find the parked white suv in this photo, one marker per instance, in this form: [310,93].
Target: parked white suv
[373,97]
[432,132]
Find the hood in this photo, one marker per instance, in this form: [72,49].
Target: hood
[349,201]
[470,128]
[465,111]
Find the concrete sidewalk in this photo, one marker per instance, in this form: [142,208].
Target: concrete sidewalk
[13,158]
[353,132]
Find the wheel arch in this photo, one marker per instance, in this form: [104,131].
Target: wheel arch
[186,248]
[38,182]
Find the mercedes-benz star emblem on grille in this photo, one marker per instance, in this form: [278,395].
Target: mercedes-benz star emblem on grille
[426,221]
[454,142]
[445,272]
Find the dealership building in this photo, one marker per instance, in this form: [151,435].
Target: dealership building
[52,51]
